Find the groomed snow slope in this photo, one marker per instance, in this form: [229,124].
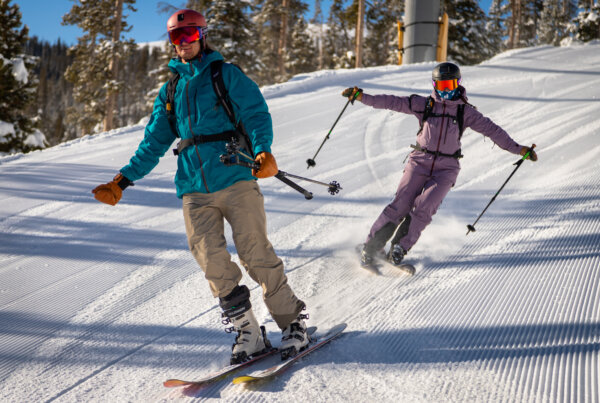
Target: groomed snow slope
[101,303]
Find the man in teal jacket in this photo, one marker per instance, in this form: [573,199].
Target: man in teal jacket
[212,191]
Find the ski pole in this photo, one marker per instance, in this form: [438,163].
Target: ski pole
[229,159]
[232,159]
[311,161]
[333,186]
[471,227]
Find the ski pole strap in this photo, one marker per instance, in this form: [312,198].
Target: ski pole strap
[224,136]
[457,154]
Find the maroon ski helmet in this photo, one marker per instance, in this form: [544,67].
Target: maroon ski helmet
[185,18]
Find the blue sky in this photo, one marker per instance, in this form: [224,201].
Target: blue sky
[44,20]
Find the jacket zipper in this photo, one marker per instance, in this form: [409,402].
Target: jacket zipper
[187,96]
[439,140]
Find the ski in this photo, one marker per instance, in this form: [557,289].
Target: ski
[215,376]
[222,373]
[380,259]
[267,374]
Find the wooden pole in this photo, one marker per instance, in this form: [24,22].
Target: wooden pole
[400,42]
[442,47]
[360,23]
[281,51]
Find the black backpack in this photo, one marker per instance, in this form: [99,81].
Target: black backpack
[216,74]
[428,112]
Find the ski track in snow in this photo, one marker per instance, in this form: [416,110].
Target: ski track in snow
[104,303]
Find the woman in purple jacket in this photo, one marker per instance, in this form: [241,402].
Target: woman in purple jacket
[433,165]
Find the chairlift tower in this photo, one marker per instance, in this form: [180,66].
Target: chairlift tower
[421,26]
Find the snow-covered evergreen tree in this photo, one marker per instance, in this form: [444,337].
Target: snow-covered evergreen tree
[268,24]
[302,55]
[468,42]
[18,132]
[495,26]
[586,25]
[318,31]
[231,32]
[275,22]
[381,43]
[92,71]
[161,73]
[339,46]
[553,25]
[54,93]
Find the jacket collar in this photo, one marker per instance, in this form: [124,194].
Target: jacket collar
[195,66]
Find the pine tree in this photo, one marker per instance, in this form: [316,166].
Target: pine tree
[318,31]
[531,17]
[302,55]
[18,131]
[468,42]
[495,26]
[94,71]
[338,44]
[268,25]
[551,29]
[54,93]
[232,33]
[300,52]
[160,74]
[382,32]
[586,25]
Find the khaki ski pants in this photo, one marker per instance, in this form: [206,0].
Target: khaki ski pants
[241,204]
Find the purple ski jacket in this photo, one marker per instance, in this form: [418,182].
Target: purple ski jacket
[441,134]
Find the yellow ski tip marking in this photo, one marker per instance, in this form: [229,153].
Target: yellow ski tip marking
[243,379]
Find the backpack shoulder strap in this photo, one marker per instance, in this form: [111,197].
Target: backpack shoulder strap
[428,108]
[170,104]
[426,112]
[216,75]
[460,117]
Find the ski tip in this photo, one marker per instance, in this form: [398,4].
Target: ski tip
[340,327]
[173,383]
[243,379]
[408,269]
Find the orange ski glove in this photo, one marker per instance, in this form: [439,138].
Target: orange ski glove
[111,192]
[268,165]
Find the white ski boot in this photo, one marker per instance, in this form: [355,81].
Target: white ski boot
[294,338]
[251,339]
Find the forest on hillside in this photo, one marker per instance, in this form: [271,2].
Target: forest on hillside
[51,93]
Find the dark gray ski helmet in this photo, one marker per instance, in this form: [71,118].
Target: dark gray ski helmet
[445,71]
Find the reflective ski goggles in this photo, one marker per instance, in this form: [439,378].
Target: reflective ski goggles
[185,34]
[446,85]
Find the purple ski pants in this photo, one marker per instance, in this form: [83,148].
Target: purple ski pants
[426,181]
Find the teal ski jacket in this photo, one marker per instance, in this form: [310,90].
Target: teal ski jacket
[198,112]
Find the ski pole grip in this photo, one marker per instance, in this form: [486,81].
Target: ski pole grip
[529,152]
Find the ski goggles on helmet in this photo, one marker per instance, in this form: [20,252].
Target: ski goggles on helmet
[185,34]
[446,85]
